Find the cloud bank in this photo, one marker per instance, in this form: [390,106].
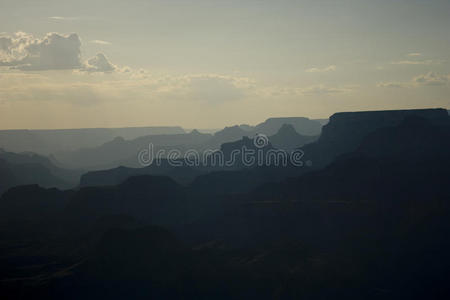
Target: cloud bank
[432,79]
[54,51]
[428,79]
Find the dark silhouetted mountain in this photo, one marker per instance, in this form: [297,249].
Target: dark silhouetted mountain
[242,145]
[271,126]
[51,141]
[288,139]
[152,246]
[246,127]
[371,224]
[345,131]
[226,135]
[304,126]
[7,177]
[125,152]
[226,182]
[32,203]
[23,140]
[120,151]
[149,260]
[183,175]
[30,168]
[414,138]
[29,173]
[399,157]
[322,121]
[154,199]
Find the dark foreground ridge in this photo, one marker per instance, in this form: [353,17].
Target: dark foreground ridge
[370,220]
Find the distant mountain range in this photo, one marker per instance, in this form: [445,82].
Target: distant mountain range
[124,152]
[28,168]
[382,166]
[369,219]
[54,140]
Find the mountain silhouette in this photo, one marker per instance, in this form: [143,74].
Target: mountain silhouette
[155,199]
[51,141]
[182,175]
[125,152]
[368,220]
[345,131]
[30,168]
[304,126]
[288,139]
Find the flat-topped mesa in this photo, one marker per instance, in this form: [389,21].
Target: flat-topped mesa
[346,130]
[390,115]
[353,126]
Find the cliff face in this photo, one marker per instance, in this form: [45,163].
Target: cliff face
[353,126]
[345,131]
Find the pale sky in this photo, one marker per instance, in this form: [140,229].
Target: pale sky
[207,64]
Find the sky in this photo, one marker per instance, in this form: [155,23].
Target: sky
[209,64]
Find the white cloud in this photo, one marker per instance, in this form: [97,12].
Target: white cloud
[416,62]
[330,68]
[100,42]
[323,90]
[54,51]
[59,18]
[99,63]
[414,54]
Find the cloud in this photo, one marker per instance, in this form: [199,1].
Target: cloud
[207,88]
[100,42]
[214,89]
[59,18]
[416,62]
[414,54]
[79,89]
[432,79]
[428,79]
[99,63]
[330,68]
[323,90]
[396,85]
[54,51]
